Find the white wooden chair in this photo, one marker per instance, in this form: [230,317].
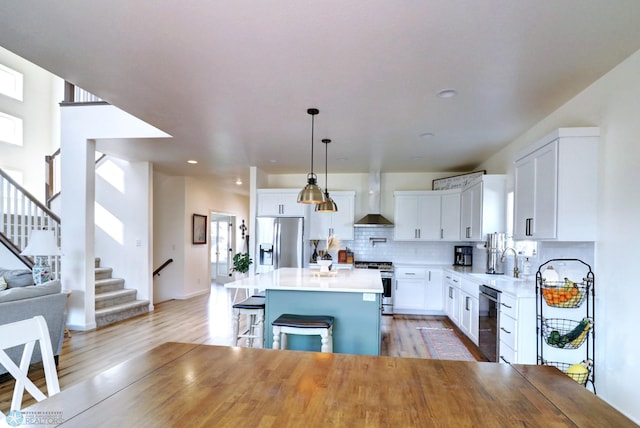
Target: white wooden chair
[27,333]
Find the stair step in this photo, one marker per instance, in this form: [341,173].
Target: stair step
[107,285]
[114,298]
[121,312]
[103,273]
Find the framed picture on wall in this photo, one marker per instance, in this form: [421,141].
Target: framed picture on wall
[199,229]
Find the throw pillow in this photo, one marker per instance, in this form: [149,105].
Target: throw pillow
[17,277]
[3,283]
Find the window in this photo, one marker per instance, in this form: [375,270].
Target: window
[10,129]
[10,83]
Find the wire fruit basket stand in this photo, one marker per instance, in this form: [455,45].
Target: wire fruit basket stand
[566,319]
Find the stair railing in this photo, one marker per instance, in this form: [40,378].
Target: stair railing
[21,212]
[162,266]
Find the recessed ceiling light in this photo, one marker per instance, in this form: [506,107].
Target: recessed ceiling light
[416,157]
[427,135]
[239,181]
[447,93]
[273,161]
[192,162]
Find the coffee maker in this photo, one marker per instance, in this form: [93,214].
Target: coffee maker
[462,255]
[495,246]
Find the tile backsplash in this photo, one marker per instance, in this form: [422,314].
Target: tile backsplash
[366,245]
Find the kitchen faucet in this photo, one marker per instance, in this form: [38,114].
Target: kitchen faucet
[516,271]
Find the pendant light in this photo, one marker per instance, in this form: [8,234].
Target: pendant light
[311,194]
[329,206]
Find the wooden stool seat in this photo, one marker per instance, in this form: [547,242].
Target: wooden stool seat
[309,325]
[253,302]
[253,308]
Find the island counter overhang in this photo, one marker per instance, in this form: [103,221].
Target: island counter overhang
[352,297]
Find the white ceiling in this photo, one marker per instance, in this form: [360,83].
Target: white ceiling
[231,80]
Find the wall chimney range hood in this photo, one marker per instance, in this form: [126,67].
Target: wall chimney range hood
[374,218]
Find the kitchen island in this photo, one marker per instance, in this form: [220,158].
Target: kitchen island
[352,297]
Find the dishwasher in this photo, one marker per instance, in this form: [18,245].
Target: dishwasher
[489,323]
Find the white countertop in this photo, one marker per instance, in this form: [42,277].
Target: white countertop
[304,279]
[517,287]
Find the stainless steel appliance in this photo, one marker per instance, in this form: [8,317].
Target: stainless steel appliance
[462,255]
[386,273]
[495,246]
[279,243]
[489,323]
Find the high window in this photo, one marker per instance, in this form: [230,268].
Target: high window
[10,129]
[10,83]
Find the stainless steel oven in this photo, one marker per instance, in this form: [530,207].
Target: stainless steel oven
[489,323]
[386,273]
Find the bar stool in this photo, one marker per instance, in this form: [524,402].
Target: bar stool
[253,308]
[309,325]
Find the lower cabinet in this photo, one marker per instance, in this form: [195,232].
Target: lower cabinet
[517,330]
[469,310]
[452,297]
[417,290]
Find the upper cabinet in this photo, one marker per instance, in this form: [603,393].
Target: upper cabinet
[427,215]
[340,223]
[280,203]
[450,216]
[482,208]
[556,185]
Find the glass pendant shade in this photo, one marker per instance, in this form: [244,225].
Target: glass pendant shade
[311,193]
[328,206]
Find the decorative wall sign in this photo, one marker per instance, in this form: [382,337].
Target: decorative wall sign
[457,181]
[199,229]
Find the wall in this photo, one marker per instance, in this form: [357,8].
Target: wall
[40,113]
[80,127]
[613,104]
[122,227]
[176,199]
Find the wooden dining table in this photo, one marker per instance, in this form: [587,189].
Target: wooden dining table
[191,385]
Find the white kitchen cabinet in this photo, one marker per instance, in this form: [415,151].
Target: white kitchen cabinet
[433,303]
[340,223]
[452,297]
[450,216]
[418,290]
[280,203]
[410,291]
[517,329]
[556,185]
[419,215]
[482,208]
[469,309]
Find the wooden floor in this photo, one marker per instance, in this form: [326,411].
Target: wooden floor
[205,319]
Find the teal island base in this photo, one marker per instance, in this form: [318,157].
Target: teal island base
[356,328]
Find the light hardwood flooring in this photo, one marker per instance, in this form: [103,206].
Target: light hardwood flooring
[205,319]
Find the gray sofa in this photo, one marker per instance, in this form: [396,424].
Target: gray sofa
[22,300]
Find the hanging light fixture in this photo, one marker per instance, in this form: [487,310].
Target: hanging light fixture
[311,194]
[328,206]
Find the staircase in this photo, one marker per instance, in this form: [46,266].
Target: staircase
[114,302]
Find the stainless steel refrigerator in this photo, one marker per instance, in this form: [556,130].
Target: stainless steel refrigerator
[279,243]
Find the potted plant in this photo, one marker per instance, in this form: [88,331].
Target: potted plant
[241,263]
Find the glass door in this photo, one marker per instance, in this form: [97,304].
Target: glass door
[221,246]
